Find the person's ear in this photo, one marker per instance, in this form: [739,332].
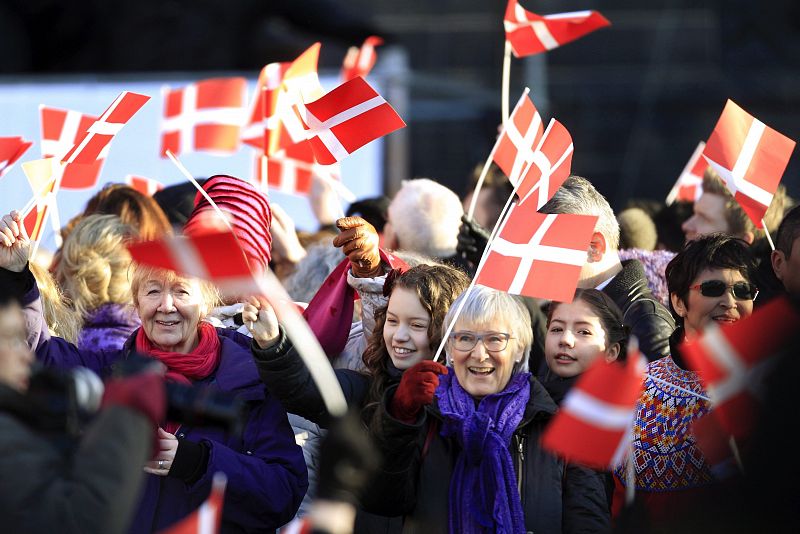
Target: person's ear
[597,247]
[778,259]
[749,237]
[677,304]
[612,353]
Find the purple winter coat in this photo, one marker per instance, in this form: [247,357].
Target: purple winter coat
[107,327]
[267,475]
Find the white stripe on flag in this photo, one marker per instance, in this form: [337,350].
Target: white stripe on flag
[185,257]
[748,150]
[596,412]
[543,34]
[224,116]
[106,128]
[723,353]
[66,139]
[206,520]
[323,129]
[570,15]
[524,145]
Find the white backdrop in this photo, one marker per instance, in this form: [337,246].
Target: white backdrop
[135,148]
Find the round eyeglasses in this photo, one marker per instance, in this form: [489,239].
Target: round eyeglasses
[716,288]
[492,341]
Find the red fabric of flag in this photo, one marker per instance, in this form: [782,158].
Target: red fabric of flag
[63,129]
[291,170]
[205,116]
[100,133]
[689,185]
[146,186]
[529,33]
[359,61]
[208,517]
[594,425]
[750,157]
[550,165]
[11,149]
[514,150]
[538,255]
[346,119]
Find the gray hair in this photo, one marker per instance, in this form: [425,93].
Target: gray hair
[577,195]
[311,271]
[487,306]
[426,217]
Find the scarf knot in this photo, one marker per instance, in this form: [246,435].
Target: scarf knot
[483,488]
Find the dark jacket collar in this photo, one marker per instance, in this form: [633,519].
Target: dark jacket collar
[675,341]
[628,283]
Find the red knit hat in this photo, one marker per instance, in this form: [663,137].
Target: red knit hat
[251,216]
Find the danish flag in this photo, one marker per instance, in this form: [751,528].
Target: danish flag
[529,33]
[11,149]
[689,186]
[750,157]
[734,359]
[595,422]
[549,167]
[208,518]
[514,150]
[346,119]
[100,133]
[62,129]
[359,61]
[291,170]
[146,186]
[204,116]
[42,176]
[538,255]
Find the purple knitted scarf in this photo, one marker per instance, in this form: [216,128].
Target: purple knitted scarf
[483,488]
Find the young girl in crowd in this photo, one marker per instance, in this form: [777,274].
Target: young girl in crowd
[578,333]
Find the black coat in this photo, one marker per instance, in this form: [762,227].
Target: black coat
[418,465]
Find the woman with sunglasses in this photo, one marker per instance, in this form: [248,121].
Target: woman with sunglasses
[709,281]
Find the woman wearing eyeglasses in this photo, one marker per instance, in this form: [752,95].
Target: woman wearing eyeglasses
[709,281]
[461,443]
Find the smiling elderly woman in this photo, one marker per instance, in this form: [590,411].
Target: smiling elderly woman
[471,461]
[265,468]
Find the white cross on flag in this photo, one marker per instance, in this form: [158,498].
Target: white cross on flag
[100,133]
[593,426]
[529,33]
[205,116]
[146,186]
[750,157]
[346,119]
[208,517]
[733,359]
[11,149]
[42,176]
[256,131]
[689,185]
[514,150]
[550,165]
[291,170]
[62,129]
[359,61]
[538,255]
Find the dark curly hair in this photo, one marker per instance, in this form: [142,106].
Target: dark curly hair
[436,286]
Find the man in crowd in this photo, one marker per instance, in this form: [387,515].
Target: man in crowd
[786,256]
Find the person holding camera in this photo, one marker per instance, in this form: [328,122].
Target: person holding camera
[57,478]
[266,473]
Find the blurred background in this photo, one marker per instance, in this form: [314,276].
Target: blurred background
[637,97]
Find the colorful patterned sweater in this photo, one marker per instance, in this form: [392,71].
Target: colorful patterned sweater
[666,457]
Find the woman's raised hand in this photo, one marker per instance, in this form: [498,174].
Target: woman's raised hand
[15,246]
[359,241]
[261,320]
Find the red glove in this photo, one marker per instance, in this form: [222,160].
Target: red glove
[144,393]
[416,390]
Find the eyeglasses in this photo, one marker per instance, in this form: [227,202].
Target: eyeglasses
[493,341]
[716,288]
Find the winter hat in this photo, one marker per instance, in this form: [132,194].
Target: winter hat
[249,211]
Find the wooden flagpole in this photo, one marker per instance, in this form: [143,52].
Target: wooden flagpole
[506,80]
[769,237]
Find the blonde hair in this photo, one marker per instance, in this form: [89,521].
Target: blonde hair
[93,269]
[61,319]
[209,294]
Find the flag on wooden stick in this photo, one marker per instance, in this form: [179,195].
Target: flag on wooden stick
[63,129]
[11,149]
[359,61]
[689,185]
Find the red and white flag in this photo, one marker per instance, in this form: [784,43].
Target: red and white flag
[346,119]
[11,149]
[689,186]
[595,422]
[100,133]
[515,148]
[146,186]
[750,157]
[529,33]
[206,519]
[291,170]
[205,116]
[734,359]
[42,175]
[550,166]
[359,61]
[214,256]
[62,129]
[538,255]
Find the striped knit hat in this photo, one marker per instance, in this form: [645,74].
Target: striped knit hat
[251,216]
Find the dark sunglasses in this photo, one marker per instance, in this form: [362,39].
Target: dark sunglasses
[716,288]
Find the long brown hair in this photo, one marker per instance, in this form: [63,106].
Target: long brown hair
[436,286]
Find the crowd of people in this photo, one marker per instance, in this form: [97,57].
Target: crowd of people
[427,446]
